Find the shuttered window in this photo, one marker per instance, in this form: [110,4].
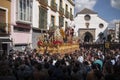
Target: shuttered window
[61,21]
[24,10]
[42,18]
[2,21]
[2,16]
[66,24]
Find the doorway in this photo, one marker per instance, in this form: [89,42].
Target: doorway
[5,49]
[88,37]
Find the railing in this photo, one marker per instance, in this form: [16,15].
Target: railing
[61,24]
[4,28]
[67,14]
[71,16]
[71,2]
[43,2]
[53,6]
[61,21]
[61,10]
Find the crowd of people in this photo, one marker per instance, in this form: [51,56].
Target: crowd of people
[84,64]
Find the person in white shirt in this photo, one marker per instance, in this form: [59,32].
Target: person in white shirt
[81,58]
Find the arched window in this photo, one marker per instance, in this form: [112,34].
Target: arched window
[101,25]
[87,17]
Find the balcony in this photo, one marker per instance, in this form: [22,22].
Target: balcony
[43,2]
[67,14]
[53,6]
[71,16]
[61,21]
[71,2]
[4,29]
[61,10]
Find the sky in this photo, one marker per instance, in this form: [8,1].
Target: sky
[108,10]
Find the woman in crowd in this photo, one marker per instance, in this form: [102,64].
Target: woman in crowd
[85,64]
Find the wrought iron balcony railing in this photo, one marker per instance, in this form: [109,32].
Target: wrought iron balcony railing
[61,21]
[71,2]
[67,14]
[61,10]
[71,16]
[53,6]
[43,2]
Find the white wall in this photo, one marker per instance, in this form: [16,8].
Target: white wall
[52,13]
[18,37]
[69,6]
[35,15]
[93,23]
[56,14]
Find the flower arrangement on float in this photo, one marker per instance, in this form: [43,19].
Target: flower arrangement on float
[39,43]
[57,43]
[54,43]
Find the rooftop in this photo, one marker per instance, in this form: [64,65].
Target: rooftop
[86,11]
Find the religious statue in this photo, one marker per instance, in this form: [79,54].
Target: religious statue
[69,33]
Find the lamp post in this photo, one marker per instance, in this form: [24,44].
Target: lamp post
[104,44]
[119,31]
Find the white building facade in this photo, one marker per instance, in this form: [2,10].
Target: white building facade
[50,13]
[32,18]
[88,26]
[21,23]
[60,13]
[117,31]
[5,16]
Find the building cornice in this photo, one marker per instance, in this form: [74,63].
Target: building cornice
[71,2]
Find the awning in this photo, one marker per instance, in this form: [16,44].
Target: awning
[5,41]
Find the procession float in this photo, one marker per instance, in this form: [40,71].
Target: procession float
[57,40]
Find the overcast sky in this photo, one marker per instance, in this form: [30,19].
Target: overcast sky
[106,9]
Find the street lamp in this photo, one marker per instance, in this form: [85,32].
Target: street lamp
[104,44]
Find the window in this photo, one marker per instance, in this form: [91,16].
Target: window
[66,24]
[53,0]
[2,21]
[61,21]
[66,7]
[2,16]
[60,3]
[42,18]
[87,25]
[101,25]
[53,20]
[24,10]
[87,17]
